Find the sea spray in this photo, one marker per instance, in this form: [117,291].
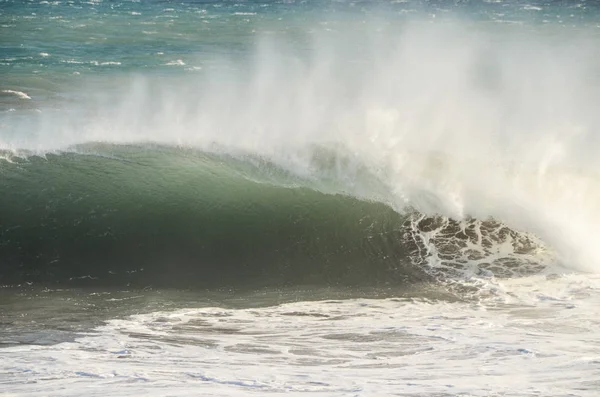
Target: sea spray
[450,118]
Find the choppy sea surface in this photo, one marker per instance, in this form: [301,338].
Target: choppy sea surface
[338,198]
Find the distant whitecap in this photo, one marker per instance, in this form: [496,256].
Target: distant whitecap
[177,62]
[19,94]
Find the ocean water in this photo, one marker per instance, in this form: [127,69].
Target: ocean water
[335,198]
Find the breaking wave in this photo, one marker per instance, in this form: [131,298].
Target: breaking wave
[378,153]
[167,216]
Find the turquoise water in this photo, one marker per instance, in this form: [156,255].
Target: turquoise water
[51,49]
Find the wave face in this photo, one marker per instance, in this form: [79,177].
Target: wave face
[173,216]
[271,143]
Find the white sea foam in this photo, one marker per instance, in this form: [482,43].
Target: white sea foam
[351,347]
[94,63]
[19,94]
[532,8]
[177,62]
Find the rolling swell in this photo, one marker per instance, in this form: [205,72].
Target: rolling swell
[165,216]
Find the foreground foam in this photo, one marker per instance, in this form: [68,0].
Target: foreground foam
[372,347]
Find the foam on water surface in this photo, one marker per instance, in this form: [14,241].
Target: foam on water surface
[18,94]
[527,341]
